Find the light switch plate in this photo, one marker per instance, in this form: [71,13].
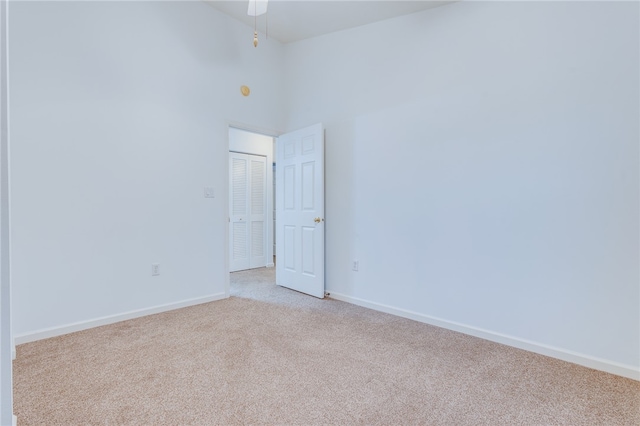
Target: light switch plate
[209,192]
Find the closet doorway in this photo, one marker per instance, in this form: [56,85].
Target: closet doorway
[251,200]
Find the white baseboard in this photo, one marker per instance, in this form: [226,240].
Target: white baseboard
[270,265]
[84,325]
[15,421]
[628,371]
[13,352]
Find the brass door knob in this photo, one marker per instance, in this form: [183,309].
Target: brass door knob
[317,220]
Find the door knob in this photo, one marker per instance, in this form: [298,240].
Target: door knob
[317,220]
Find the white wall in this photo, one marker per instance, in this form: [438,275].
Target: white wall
[120,114]
[482,165]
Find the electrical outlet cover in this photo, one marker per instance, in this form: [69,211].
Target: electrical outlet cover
[209,193]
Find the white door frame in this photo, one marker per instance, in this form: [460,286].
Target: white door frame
[6,338]
[270,179]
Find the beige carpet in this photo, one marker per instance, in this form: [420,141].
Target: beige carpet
[269,355]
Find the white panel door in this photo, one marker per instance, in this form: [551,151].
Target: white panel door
[247,211]
[300,210]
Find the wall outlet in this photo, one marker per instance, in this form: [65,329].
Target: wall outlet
[209,193]
[355,265]
[155,269]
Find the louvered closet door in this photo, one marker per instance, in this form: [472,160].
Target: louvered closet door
[239,209]
[247,204]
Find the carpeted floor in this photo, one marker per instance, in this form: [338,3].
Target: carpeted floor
[269,355]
